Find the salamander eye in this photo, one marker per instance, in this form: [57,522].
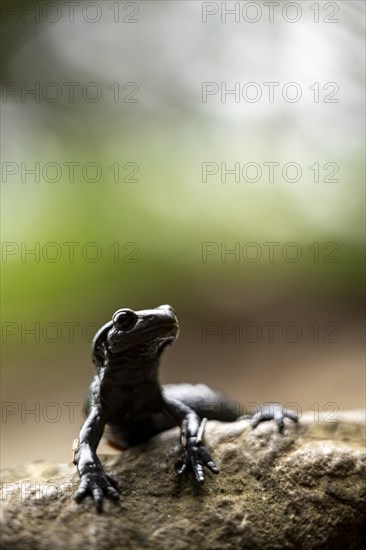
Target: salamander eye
[124,319]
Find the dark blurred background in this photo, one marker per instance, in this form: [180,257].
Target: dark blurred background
[118,213]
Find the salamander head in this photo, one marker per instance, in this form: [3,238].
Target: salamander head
[147,328]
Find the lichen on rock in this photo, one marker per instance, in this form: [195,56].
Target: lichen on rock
[303,489]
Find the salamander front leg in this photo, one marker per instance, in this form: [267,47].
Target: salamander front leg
[93,480]
[195,455]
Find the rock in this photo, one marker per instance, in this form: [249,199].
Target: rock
[304,489]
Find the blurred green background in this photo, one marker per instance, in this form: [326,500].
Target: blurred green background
[164,56]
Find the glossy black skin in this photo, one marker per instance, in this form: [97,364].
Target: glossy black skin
[128,404]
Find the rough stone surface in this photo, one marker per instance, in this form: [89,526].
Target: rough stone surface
[304,489]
